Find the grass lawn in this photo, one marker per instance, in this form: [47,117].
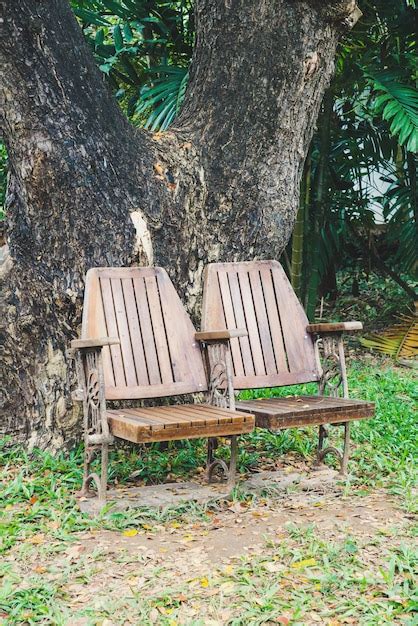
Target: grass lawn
[345,556]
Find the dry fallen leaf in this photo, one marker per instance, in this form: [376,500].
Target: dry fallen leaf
[36,539]
[181,597]
[304,563]
[131,532]
[164,611]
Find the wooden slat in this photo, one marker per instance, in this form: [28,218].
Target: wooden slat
[124,335]
[172,419]
[274,380]
[112,329]
[229,284]
[150,391]
[240,349]
[262,321]
[146,422]
[334,327]
[219,335]
[195,413]
[299,345]
[274,320]
[147,332]
[179,417]
[185,353]
[213,315]
[135,332]
[141,415]
[81,344]
[245,300]
[93,324]
[159,330]
[262,406]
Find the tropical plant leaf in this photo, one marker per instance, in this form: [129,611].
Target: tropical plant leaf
[162,101]
[399,341]
[398,105]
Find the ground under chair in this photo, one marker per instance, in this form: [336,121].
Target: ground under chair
[281,348]
[138,343]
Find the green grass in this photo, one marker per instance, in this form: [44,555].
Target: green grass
[38,512]
[38,487]
[299,577]
[385,448]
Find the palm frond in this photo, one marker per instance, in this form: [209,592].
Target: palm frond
[162,101]
[399,341]
[398,105]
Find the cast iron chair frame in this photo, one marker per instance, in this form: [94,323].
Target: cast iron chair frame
[97,435]
[329,348]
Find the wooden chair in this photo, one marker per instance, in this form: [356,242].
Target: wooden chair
[281,349]
[138,343]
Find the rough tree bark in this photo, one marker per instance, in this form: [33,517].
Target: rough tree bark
[86,189]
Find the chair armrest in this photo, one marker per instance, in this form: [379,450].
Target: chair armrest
[79,344]
[337,327]
[220,335]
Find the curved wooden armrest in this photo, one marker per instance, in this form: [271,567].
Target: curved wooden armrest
[220,335]
[337,327]
[99,342]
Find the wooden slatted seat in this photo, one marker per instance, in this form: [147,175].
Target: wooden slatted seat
[279,413]
[280,349]
[138,343]
[177,422]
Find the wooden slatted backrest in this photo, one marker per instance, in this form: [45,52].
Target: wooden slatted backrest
[257,296]
[158,354]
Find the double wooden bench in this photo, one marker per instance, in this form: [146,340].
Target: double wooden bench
[281,348]
[138,343]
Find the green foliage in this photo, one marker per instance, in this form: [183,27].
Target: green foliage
[371,165]
[144,49]
[162,101]
[397,104]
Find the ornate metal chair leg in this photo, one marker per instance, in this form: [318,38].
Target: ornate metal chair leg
[233,462]
[210,456]
[346,452]
[88,457]
[103,472]
[323,433]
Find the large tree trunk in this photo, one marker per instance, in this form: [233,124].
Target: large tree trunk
[86,189]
